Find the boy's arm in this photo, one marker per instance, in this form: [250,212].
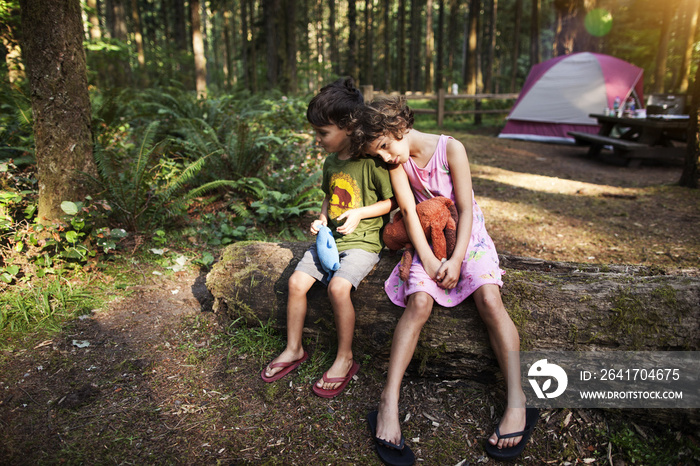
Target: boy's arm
[322,218]
[353,217]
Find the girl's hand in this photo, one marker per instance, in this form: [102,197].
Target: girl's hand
[448,274]
[316,225]
[352,219]
[432,267]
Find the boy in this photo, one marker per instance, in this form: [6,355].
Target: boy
[358,199]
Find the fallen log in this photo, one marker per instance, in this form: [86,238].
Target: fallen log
[555,306]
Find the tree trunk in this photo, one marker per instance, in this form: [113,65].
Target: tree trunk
[692,12]
[452,33]
[333,39]
[690,177]
[439,64]
[470,75]
[290,62]
[662,51]
[414,47]
[180,25]
[200,61]
[516,45]
[555,305]
[13,50]
[55,59]
[368,73]
[429,46]
[535,33]
[352,40]
[94,20]
[400,48]
[386,12]
[491,60]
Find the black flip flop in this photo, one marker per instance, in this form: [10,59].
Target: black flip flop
[389,453]
[531,417]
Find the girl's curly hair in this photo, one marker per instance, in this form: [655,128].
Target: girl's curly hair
[387,116]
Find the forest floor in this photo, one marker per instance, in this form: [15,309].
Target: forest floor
[153,379]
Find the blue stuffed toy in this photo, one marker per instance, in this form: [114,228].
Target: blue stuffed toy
[327,250]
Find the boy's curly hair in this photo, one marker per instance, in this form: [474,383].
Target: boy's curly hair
[389,116]
[335,104]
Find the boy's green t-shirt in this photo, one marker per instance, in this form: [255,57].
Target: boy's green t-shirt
[354,183]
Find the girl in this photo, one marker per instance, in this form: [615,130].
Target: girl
[422,166]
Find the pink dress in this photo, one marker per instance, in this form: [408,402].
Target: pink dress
[480,266]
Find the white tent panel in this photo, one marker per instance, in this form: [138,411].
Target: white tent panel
[566,93]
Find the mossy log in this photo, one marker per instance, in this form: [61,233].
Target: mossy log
[555,306]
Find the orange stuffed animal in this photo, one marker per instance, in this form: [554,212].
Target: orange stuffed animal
[438,217]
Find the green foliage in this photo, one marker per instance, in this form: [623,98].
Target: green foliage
[16,136]
[143,185]
[42,307]
[260,342]
[666,448]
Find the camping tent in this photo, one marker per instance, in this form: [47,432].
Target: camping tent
[560,93]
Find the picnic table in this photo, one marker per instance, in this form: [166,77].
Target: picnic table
[635,139]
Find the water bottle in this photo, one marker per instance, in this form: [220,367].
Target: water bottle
[616,106]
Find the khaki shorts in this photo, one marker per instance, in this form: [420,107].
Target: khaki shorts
[355,264]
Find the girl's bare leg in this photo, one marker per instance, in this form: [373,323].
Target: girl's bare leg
[403,345]
[505,342]
[299,284]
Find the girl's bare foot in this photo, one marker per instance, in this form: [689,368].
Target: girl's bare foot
[513,420]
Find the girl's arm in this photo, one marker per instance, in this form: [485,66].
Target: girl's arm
[448,273]
[353,217]
[407,203]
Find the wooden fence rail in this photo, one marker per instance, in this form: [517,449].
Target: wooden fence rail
[441,97]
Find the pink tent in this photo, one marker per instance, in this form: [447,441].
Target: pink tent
[560,93]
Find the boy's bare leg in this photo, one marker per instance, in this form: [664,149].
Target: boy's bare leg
[505,343]
[403,345]
[299,284]
[339,293]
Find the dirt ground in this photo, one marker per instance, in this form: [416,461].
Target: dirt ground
[153,379]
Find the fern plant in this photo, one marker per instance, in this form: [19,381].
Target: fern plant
[147,189]
[270,206]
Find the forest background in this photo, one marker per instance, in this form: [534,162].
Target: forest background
[138,138]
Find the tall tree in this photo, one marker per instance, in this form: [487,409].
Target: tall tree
[666,16]
[180,24]
[429,46]
[333,39]
[692,11]
[453,33]
[470,63]
[534,32]
[290,62]
[570,35]
[387,44]
[352,40]
[368,68]
[401,47]
[439,65]
[691,170]
[9,23]
[415,46]
[52,42]
[491,48]
[200,60]
[515,50]
[93,20]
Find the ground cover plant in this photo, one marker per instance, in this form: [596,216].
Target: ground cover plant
[115,356]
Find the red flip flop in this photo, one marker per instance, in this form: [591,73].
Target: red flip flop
[342,380]
[288,367]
